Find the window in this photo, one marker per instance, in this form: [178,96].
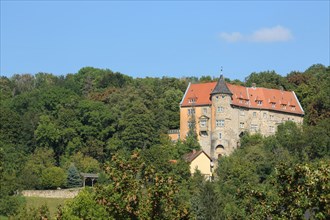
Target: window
[192,100]
[220,109]
[293,108]
[254,127]
[191,124]
[254,114]
[223,96]
[205,111]
[271,129]
[203,122]
[240,101]
[242,113]
[203,133]
[273,105]
[265,115]
[220,135]
[191,111]
[271,117]
[283,106]
[220,123]
[259,102]
[247,102]
[241,124]
[217,97]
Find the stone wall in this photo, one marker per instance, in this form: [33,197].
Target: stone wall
[58,193]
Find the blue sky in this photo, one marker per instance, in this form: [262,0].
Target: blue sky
[164,38]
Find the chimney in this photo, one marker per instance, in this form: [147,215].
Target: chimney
[254,85]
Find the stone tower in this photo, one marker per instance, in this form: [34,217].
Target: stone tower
[221,119]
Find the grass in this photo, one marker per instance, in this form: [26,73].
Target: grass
[52,203]
[3,217]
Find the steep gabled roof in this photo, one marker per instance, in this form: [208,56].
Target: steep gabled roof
[189,157]
[221,87]
[247,97]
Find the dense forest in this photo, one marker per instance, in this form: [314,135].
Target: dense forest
[99,121]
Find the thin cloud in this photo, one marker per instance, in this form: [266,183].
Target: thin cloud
[273,34]
[232,37]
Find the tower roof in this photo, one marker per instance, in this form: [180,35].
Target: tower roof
[221,87]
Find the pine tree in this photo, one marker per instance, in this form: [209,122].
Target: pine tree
[74,179]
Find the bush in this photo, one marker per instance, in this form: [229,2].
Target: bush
[53,177]
[9,205]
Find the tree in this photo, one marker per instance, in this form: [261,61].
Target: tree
[40,160]
[267,79]
[303,190]
[137,124]
[84,206]
[73,178]
[134,191]
[53,177]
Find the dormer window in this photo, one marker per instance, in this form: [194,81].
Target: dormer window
[273,105]
[259,102]
[283,106]
[293,108]
[193,100]
[246,102]
[240,101]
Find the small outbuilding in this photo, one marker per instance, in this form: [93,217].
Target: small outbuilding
[199,160]
[89,179]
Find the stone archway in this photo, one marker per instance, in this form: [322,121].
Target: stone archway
[220,150]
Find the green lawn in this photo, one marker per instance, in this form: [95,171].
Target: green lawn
[52,203]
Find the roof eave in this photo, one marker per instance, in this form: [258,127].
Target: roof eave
[184,96]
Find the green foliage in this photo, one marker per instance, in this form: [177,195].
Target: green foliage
[53,177]
[40,160]
[10,166]
[88,117]
[137,125]
[267,79]
[84,206]
[134,191]
[317,139]
[251,140]
[73,177]
[303,188]
[83,163]
[32,213]
[10,204]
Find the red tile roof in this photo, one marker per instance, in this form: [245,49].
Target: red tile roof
[248,97]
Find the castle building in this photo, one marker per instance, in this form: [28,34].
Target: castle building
[221,113]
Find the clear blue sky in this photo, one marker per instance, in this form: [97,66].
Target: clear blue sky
[143,38]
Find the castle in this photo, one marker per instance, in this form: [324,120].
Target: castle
[221,113]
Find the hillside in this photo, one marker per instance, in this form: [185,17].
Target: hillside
[99,121]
